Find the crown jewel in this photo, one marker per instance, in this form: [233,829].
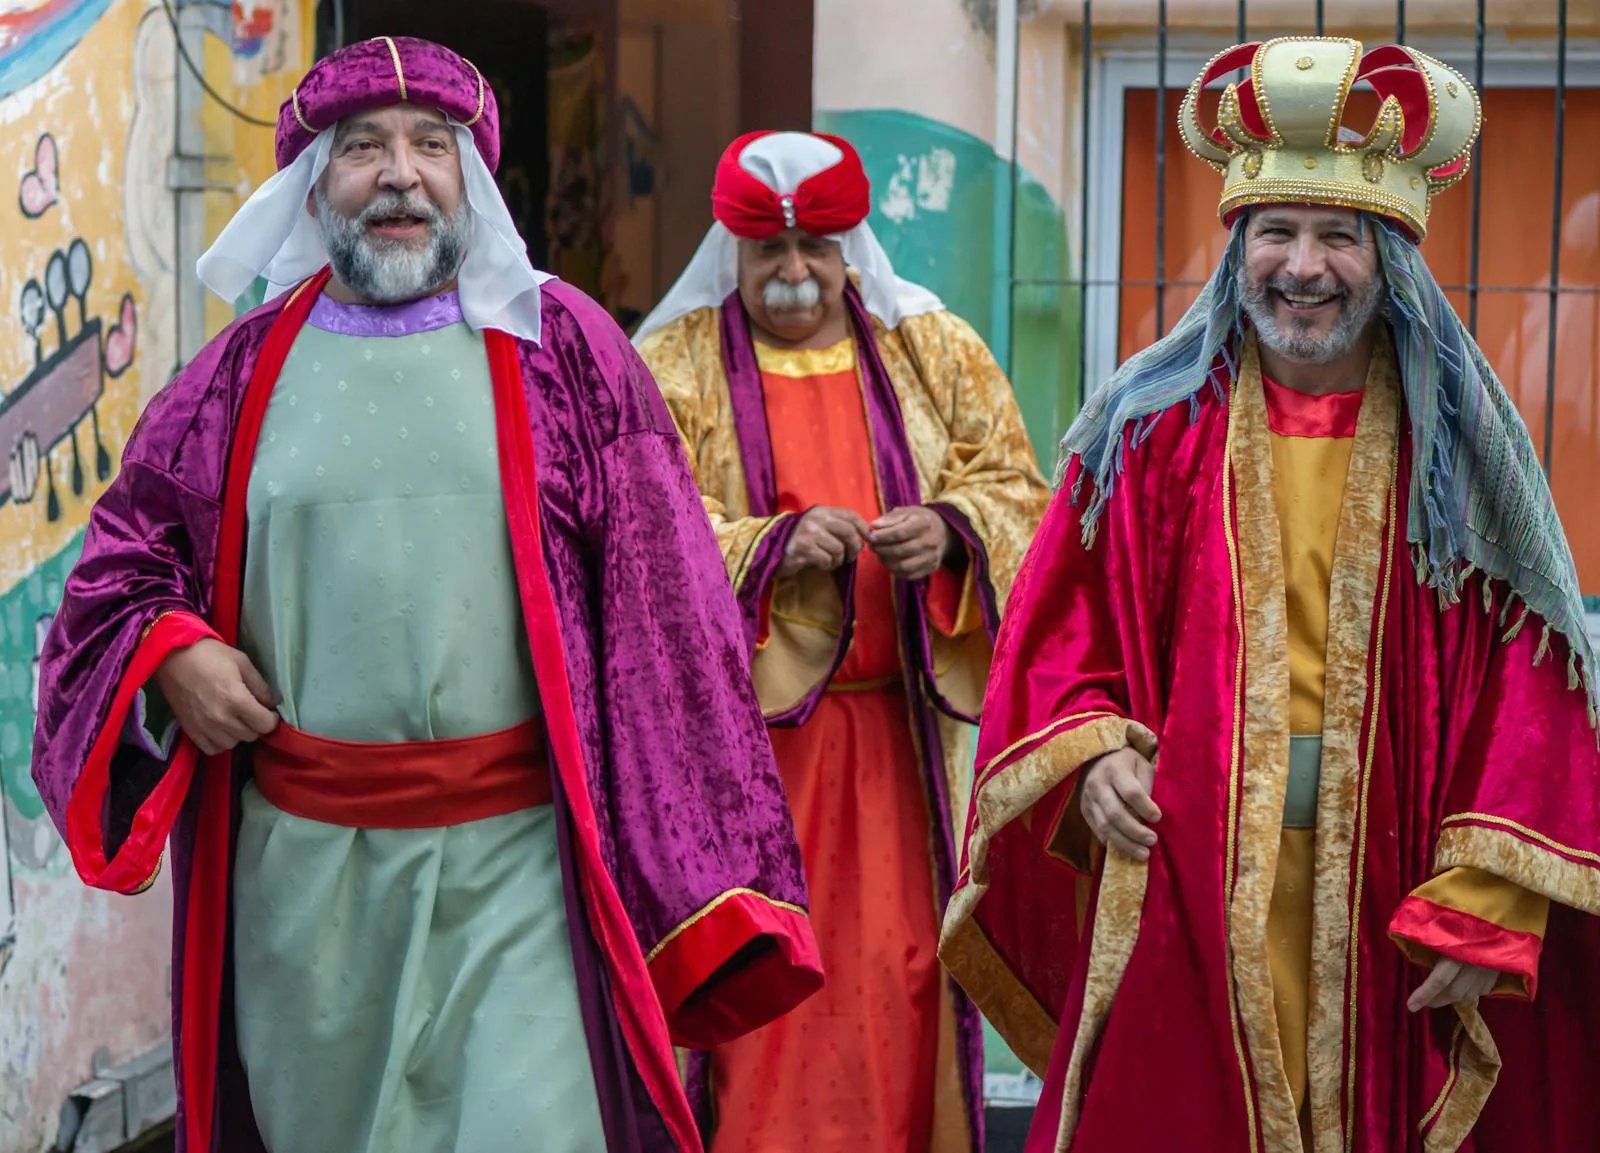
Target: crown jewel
[1279,136]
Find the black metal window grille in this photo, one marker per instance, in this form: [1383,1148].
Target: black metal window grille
[1084,283]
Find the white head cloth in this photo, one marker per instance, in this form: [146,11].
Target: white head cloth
[783,161]
[275,236]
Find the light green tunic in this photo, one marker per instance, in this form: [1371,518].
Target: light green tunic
[397,990]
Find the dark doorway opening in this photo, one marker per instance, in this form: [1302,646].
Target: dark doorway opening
[508,41]
[536,64]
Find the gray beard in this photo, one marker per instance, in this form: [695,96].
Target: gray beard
[388,272]
[1298,341]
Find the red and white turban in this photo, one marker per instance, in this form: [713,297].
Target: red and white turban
[769,182]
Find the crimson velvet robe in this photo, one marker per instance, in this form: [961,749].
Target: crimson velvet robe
[684,891]
[1451,738]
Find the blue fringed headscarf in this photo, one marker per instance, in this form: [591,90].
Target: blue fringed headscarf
[1479,499]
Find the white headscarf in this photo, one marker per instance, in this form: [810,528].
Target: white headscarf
[783,161]
[275,236]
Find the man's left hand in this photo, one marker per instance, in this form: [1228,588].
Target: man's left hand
[912,542]
[1452,982]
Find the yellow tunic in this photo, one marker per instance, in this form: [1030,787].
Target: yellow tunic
[1309,471]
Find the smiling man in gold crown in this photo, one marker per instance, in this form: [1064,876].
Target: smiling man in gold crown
[1287,757]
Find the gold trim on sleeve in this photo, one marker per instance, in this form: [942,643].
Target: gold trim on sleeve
[712,906]
[151,879]
[1521,855]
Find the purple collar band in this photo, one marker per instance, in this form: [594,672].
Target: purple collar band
[426,315]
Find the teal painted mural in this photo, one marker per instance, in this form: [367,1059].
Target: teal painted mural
[25,613]
[943,207]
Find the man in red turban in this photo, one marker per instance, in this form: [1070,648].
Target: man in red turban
[404,620]
[873,490]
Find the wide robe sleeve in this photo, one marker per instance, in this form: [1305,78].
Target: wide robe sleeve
[677,694]
[693,820]
[1519,825]
[987,487]
[141,588]
[1058,697]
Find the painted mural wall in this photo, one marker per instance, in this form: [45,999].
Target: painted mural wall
[89,289]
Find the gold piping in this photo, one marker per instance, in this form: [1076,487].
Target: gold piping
[1449,1081]
[1231,848]
[1386,575]
[151,879]
[399,73]
[294,99]
[1048,730]
[716,903]
[478,115]
[1522,831]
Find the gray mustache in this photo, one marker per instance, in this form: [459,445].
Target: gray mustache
[779,295]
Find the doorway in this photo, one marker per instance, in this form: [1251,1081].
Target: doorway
[548,76]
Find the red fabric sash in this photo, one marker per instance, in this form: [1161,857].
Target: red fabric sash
[411,785]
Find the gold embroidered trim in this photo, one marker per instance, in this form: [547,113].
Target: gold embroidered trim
[1048,730]
[1521,855]
[399,74]
[1361,573]
[1118,912]
[1522,831]
[1476,1068]
[711,907]
[1449,1081]
[1387,578]
[966,952]
[1231,848]
[294,100]
[1004,1001]
[151,879]
[151,627]
[478,115]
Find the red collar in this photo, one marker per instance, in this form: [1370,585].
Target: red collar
[1291,413]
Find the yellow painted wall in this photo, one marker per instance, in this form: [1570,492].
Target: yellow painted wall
[95,81]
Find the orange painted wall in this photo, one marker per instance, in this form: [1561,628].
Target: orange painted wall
[1517,160]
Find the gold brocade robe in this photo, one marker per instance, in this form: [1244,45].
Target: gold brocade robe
[970,449]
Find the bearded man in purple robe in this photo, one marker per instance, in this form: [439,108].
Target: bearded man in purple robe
[404,621]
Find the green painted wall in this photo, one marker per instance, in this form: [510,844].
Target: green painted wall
[942,206]
[22,609]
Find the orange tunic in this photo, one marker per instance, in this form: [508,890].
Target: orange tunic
[854,1067]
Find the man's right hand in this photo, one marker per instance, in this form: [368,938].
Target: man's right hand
[1116,802]
[218,697]
[824,539]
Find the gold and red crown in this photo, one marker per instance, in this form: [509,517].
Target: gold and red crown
[1278,137]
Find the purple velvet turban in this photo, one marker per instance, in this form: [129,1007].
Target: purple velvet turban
[382,71]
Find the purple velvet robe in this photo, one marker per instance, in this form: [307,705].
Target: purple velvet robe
[694,835]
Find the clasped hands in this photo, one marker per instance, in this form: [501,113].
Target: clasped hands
[1116,804]
[912,542]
